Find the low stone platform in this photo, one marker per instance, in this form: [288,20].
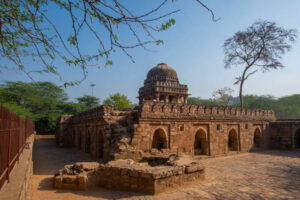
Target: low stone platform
[140,177]
[152,176]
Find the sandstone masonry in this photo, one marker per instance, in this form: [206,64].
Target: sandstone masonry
[164,122]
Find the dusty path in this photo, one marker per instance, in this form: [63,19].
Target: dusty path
[262,175]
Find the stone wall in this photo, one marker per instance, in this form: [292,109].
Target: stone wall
[180,125]
[178,128]
[285,134]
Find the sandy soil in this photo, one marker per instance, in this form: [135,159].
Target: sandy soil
[261,175]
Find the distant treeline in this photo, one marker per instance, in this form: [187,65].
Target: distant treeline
[284,107]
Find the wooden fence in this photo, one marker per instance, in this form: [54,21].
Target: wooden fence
[13,134]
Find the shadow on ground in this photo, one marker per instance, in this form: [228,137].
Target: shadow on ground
[284,153]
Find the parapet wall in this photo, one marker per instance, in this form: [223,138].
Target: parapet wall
[150,109]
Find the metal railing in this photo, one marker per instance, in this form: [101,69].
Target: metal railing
[13,134]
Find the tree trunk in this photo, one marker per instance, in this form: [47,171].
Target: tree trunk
[241,93]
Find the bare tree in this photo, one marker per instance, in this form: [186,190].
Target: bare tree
[27,31]
[260,46]
[222,95]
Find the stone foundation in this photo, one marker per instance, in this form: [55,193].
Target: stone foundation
[128,175]
[145,179]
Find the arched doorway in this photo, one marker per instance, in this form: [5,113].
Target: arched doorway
[257,138]
[233,144]
[200,143]
[297,139]
[100,147]
[159,140]
[88,143]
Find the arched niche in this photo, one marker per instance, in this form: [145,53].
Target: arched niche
[233,144]
[159,139]
[257,138]
[200,143]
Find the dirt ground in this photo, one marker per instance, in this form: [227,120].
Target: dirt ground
[266,174]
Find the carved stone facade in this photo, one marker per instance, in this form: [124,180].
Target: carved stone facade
[159,124]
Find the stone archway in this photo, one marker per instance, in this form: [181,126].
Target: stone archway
[257,138]
[297,139]
[100,145]
[159,140]
[88,142]
[200,143]
[233,144]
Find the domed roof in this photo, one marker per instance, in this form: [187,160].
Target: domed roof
[162,72]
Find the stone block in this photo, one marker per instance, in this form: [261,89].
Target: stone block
[57,182]
[69,179]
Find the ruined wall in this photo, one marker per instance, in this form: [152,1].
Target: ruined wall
[285,134]
[101,131]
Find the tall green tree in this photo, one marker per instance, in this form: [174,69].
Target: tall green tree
[260,46]
[39,100]
[88,101]
[119,101]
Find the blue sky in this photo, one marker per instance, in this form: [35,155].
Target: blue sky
[193,47]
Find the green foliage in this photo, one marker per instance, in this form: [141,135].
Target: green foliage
[198,100]
[167,24]
[28,30]
[284,107]
[38,100]
[18,110]
[88,101]
[119,101]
